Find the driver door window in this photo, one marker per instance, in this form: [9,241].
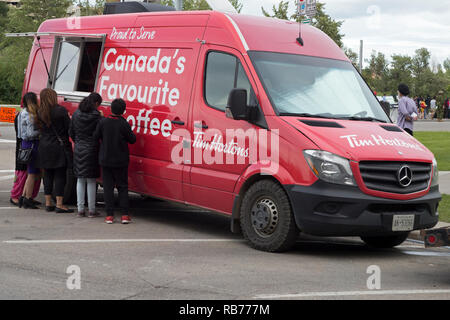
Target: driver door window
[224,72]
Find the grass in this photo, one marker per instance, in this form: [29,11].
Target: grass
[444,208]
[439,144]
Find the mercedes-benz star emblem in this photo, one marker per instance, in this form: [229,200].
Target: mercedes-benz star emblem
[404,176]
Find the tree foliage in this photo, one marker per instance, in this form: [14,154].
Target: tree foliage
[417,72]
[321,20]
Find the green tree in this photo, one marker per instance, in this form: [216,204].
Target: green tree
[280,12]
[400,72]
[189,5]
[33,12]
[376,74]
[321,20]
[87,8]
[446,65]
[14,52]
[353,56]
[237,5]
[168,3]
[4,9]
[328,25]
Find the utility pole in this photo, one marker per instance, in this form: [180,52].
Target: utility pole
[361,55]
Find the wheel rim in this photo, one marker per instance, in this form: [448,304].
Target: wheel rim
[264,217]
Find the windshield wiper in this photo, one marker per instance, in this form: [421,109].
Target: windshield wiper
[308,115]
[363,119]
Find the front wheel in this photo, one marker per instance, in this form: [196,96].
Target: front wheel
[266,217]
[385,242]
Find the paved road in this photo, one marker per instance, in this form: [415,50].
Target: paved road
[176,252]
[432,125]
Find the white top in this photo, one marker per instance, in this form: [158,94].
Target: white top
[433,104]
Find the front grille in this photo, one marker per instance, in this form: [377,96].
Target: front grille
[383,176]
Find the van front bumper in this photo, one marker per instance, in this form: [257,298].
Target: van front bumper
[325,209]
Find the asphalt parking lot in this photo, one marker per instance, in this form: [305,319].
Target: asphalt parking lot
[171,251]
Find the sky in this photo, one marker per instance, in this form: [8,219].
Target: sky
[387,26]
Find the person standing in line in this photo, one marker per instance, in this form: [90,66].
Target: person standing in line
[407,110]
[29,135]
[432,107]
[55,149]
[427,108]
[20,175]
[447,108]
[85,154]
[115,134]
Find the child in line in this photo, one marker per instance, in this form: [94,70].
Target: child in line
[115,134]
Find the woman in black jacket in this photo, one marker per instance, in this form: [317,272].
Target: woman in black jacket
[85,160]
[55,150]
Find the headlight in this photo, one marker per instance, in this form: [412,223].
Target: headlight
[330,167]
[435,179]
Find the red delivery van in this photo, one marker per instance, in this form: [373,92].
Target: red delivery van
[233,114]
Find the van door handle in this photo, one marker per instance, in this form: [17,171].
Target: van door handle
[199,125]
[178,122]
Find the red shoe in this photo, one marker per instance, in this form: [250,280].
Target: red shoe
[109,220]
[126,219]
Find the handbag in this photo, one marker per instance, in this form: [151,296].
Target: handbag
[67,153]
[24,155]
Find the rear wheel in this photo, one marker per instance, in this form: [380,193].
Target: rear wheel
[385,242]
[266,217]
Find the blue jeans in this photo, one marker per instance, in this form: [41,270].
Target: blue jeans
[91,193]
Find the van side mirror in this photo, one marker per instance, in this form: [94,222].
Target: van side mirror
[237,108]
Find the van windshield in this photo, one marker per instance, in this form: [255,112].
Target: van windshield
[310,86]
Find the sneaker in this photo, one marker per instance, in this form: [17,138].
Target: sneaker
[126,219]
[109,220]
[81,214]
[94,214]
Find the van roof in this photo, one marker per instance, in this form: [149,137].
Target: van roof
[250,32]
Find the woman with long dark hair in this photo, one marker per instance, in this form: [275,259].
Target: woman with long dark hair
[85,161]
[55,151]
[29,134]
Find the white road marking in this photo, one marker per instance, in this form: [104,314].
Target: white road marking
[7,171]
[7,141]
[427,253]
[6,177]
[351,293]
[116,241]
[8,208]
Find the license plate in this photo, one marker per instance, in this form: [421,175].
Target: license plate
[403,222]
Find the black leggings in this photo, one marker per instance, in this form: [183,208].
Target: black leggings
[55,177]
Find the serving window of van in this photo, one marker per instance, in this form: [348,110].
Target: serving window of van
[75,64]
[224,72]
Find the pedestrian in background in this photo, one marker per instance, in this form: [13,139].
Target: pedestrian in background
[447,108]
[407,110]
[115,134]
[85,154]
[20,175]
[29,135]
[427,107]
[432,107]
[55,149]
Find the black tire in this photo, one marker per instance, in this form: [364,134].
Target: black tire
[267,199]
[385,242]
